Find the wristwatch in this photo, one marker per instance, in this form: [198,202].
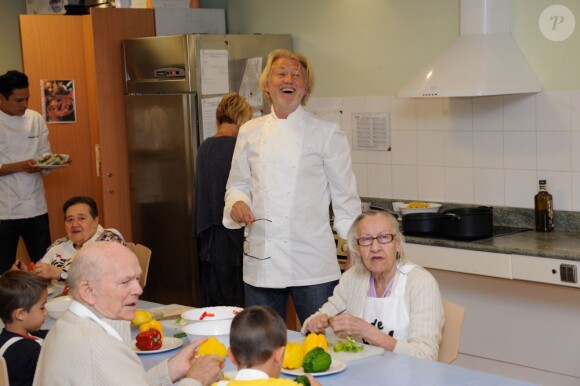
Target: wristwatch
[63,275]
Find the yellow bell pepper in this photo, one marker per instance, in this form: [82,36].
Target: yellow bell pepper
[141,316]
[212,346]
[151,324]
[314,340]
[293,356]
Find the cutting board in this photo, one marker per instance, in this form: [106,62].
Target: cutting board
[170,311]
[368,351]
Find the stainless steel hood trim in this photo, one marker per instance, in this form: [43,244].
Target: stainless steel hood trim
[477,64]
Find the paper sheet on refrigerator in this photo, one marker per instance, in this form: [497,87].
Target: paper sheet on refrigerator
[214,72]
[208,109]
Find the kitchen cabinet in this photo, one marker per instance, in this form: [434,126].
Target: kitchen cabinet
[86,49]
[518,323]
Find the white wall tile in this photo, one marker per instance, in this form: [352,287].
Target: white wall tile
[554,150]
[520,188]
[575,151]
[520,150]
[405,182]
[378,104]
[404,147]
[380,181]
[459,148]
[431,183]
[554,111]
[576,192]
[488,149]
[381,157]
[489,186]
[404,114]
[519,112]
[431,148]
[430,114]
[458,114]
[361,175]
[459,185]
[575,119]
[488,113]
[559,184]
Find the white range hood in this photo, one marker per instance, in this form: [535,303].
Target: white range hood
[484,60]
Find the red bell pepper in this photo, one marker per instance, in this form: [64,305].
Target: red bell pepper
[149,340]
[206,315]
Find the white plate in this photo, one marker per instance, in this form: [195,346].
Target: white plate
[52,166]
[169,343]
[335,367]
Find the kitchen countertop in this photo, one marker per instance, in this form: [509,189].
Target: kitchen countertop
[563,243]
[554,245]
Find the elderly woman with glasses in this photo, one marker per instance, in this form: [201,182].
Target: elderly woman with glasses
[383,299]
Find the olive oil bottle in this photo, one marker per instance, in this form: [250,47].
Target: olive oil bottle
[544,206]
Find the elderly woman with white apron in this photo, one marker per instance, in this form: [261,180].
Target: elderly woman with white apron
[383,299]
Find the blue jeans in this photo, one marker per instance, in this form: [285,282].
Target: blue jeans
[307,299]
[35,233]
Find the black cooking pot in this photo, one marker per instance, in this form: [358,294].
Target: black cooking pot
[424,224]
[469,223]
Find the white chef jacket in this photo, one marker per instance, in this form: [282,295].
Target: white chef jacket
[288,171]
[22,138]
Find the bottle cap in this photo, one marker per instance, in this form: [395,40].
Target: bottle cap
[542,182]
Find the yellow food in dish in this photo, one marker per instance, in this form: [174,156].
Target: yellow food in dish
[417,204]
[212,346]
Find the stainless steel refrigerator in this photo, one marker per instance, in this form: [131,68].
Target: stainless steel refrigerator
[173,85]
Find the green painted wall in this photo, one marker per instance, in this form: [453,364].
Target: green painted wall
[366,47]
[372,47]
[10,53]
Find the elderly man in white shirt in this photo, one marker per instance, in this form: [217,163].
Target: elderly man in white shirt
[287,168]
[23,139]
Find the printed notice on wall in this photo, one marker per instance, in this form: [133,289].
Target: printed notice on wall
[208,109]
[250,88]
[214,72]
[371,131]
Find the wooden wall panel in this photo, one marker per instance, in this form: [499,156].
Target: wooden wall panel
[114,25]
[53,48]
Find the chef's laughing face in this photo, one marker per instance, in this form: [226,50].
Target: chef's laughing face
[287,85]
[79,223]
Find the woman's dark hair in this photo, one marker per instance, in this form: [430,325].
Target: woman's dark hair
[255,333]
[19,289]
[81,200]
[12,80]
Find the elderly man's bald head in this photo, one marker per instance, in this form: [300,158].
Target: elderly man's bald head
[105,275]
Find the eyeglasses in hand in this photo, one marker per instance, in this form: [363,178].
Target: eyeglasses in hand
[366,241]
[247,242]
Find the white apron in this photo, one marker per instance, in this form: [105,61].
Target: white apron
[390,315]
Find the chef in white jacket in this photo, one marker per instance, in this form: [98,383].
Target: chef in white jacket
[287,167]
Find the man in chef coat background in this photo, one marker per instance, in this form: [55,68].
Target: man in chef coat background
[23,139]
[287,168]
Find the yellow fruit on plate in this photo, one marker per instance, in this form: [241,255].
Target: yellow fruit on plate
[213,346]
[314,340]
[141,316]
[151,324]
[293,356]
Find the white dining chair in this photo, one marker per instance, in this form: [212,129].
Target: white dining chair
[3,373]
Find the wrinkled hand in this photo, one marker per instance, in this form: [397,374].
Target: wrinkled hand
[47,271]
[186,363]
[241,213]
[318,323]
[207,369]
[347,325]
